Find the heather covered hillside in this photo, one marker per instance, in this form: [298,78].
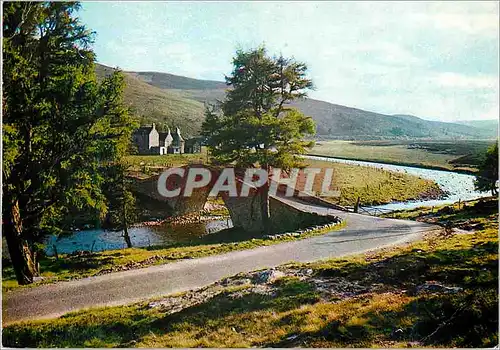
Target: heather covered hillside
[177,100]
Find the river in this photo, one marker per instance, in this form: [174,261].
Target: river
[144,236]
[457,186]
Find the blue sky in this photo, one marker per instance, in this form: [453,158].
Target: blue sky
[436,60]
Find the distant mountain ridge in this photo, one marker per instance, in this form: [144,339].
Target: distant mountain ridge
[489,126]
[171,81]
[176,100]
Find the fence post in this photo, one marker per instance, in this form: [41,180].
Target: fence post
[356,207]
[55,251]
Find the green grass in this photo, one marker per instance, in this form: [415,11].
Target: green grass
[372,185]
[148,163]
[458,155]
[391,314]
[69,267]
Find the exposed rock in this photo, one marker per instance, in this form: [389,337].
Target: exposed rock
[235,281]
[470,225]
[174,304]
[437,288]
[414,344]
[333,221]
[261,282]
[182,220]
[267,276]
[208,207]
[80,253]
[434,192]
[256,289]
[340,287]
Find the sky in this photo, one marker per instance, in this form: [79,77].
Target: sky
[435,60]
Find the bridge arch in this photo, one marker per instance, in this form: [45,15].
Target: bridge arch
[286,213]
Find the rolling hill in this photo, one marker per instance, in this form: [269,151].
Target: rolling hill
[161,106]
[179,101]
[489,127]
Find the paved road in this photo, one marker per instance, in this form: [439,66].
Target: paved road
[361,233]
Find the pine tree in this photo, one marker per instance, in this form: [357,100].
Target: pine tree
[61,128]
[254,125]
[122,210]
[487,177]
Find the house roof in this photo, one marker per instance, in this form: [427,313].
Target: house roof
[164,136]
[176,137]
[143,130]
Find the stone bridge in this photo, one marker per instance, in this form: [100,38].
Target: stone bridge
[244,210]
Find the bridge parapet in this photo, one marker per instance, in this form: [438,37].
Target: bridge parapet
[245,211]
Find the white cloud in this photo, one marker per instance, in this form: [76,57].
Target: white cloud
[432,59]
[455,80]
[492,113]
[472,24]
[475,18]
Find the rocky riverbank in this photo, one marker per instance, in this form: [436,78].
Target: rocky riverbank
[211,212]
[181,220]
[432,193]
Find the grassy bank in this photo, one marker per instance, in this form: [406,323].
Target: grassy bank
[439,292]
[374,186]
[80,265]
[457,155]
[152,162]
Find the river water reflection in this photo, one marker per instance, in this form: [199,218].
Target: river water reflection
[145,236]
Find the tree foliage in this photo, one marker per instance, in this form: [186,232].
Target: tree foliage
[122,209]
[61,128]
[255,125]
[487,177]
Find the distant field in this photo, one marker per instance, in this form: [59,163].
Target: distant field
[463,155]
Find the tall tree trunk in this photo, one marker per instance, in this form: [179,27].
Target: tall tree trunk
[126,236]
[23,259]
[264,205]
[356,206]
